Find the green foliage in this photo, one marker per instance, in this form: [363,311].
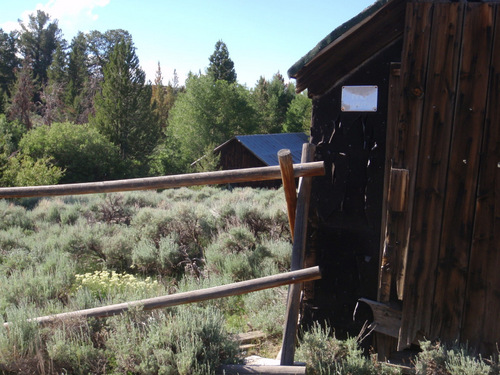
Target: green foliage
[272,99]
[298,115]
[39,39]
[325,354]
[104,284]
[439,359]
[209,162]
[8,63]
[190,341]
[78,73]
[80,150]
[22,170]
[21,106]
[221,66]
[209,113]
[123,107]
[11,132]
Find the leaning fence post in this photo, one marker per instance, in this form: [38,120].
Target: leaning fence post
[286,166]
[298,252]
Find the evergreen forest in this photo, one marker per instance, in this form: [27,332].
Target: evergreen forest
[83,111]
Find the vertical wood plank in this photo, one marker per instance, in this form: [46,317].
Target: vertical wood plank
[384,344]
[433,156]
[463,173]
[481,323]
[297,263]
[403,134]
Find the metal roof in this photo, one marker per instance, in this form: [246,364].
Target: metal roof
[266,146]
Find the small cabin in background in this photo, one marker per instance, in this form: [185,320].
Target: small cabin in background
[406,107]
[259,150]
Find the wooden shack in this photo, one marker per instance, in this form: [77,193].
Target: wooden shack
[406,107]
[259,150]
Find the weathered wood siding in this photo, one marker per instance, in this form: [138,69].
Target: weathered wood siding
[426,199]
[346,205]
[446,136]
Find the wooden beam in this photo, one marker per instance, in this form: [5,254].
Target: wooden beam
[298,251]
[238,288]
[386,318]
[261,369]
[286,166]
[164,182]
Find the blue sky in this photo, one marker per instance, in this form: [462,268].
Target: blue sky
[262,36]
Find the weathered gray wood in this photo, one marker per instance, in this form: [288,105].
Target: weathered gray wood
[262,369]
[164,182]
[249,336]
[298,251]
[481,324]
[190,297]
[286,166]
[386,319]
[397,202]
[438,114]
[463,173]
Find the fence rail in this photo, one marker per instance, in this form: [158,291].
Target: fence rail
[285,171]
[164,182]
[242,287]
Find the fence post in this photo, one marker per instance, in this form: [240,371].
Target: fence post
[286,166]
[298,252]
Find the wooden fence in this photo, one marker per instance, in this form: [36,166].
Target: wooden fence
[297,206]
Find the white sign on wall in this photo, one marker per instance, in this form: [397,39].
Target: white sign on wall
[359,98]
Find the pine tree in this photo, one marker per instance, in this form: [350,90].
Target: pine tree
[78,74]
[159,99]
[221,66]
[8,64]
[123,108]
[39,39]
[22,105]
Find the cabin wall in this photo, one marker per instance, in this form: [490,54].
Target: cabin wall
[234,156]
[436,134]
[346,205]
[446,135]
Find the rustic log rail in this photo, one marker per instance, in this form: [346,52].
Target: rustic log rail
[242,287]
[164,182]
[285,171]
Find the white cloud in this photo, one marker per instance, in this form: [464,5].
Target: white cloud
[71,15]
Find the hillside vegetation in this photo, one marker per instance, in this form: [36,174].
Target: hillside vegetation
[70,253]
[83,110]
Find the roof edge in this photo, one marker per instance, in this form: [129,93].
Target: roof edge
[335,34]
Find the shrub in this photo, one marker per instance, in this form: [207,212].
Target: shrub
[438,359]
[119,247]
[166,258]
[80,150]
[70,348]
[23,170]
[324,354]
[266,309]
[103,285]
[14,216]
[190,341]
